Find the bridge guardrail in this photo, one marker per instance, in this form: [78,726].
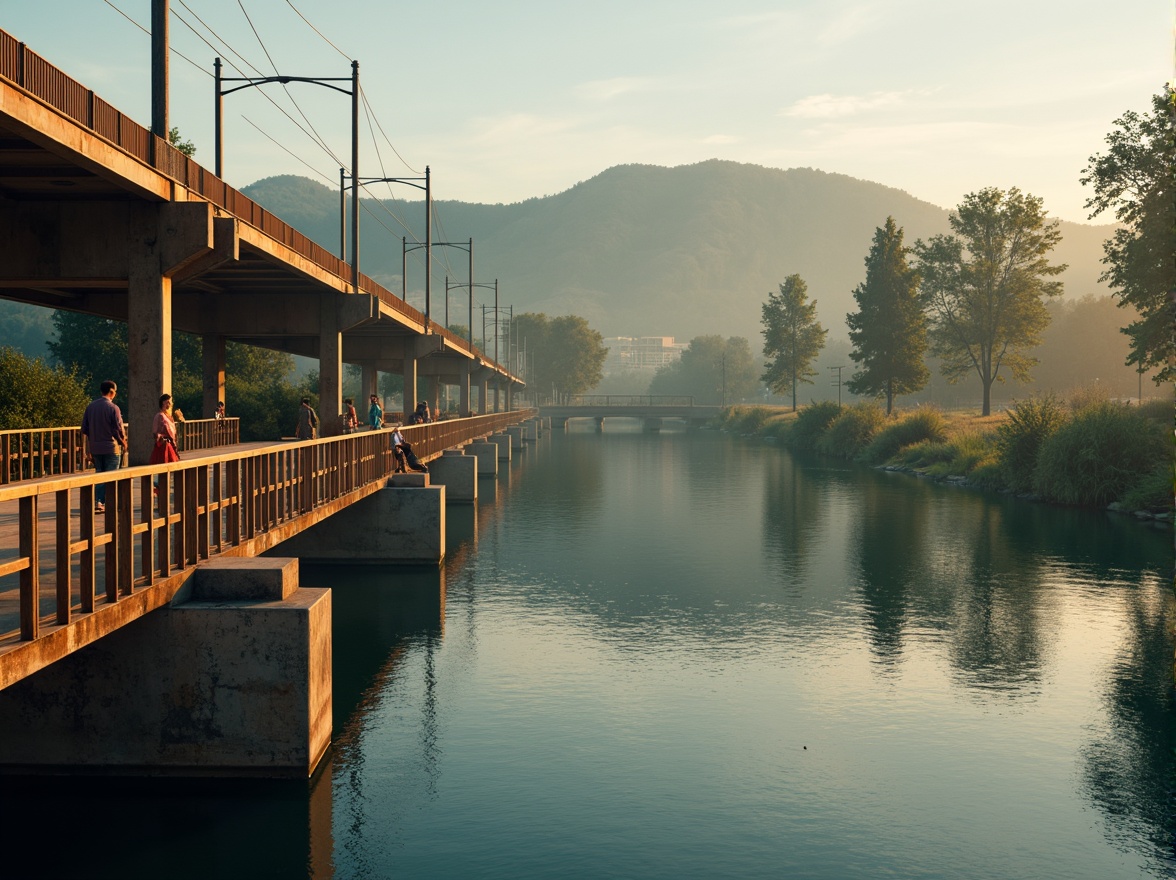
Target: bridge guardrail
[678,400]
[239,502]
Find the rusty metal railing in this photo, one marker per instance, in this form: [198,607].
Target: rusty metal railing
[70,562]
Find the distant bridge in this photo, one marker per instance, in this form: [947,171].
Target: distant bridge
[650,408]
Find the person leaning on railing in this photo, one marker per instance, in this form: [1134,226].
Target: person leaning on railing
[105,437]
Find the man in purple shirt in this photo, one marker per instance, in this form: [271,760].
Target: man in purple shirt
[102,426]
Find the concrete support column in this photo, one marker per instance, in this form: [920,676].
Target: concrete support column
[369,383]
[510,396]
[213,358]
[497,396]
[149,332]
[515,432]
[483,392]
[432,393]
[464,391]
[652,426]
[330,367]
[458,473]
[410,384]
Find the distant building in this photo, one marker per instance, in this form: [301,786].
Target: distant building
[640,353]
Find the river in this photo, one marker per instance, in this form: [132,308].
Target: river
[688,655]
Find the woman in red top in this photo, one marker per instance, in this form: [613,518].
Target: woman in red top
[164,430]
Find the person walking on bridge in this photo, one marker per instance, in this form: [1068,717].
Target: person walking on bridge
[375,414]
[106,439]
[307,421]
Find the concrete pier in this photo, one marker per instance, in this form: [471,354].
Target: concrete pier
[487,455]
[404,523]
[515,432]
[502,441]
[458,473]
[233,679]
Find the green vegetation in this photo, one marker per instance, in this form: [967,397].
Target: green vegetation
[1030,423]
[35,395]
[1102,452]
[564,355]
[812,422]
[924,425]
[851,431]
[1135,178]
[793,337]
[985,286]
[889,329]
[712,370]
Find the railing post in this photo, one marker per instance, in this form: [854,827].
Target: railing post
[30,617]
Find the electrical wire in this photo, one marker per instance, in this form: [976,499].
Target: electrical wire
[148,33]
[317,31]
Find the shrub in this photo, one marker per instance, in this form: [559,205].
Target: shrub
[988,475]
[969,450]
[925,423]
[850,432]
[1152,491]
[1086,396]
[811,423]
[1098,454]
[1018,440]
[746,419]
[925,454]
[778,427]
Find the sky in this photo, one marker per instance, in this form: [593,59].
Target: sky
[515,99]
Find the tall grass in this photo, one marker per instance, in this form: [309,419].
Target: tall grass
[1030,423]
[811,423]
[1103,451]
[850,433]
[922,425]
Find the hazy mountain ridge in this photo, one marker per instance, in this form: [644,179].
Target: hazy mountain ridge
[648,250]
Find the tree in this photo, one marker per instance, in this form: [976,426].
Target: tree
[177,140]
[35,395]
[1137,178]
[793,337]
[564,354]
[984,287]
[711,369]
[889,330]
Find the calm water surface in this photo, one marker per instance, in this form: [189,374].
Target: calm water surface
[691,656]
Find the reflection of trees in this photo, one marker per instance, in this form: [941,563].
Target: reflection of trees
[995,640]
[1129,766]
[792,518]
[889,545]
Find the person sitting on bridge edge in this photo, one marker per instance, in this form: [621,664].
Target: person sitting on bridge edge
[102,426]
[405,457]
[375,414]
[420,415]
[307,421]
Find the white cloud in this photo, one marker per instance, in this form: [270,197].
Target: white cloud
[607,89]
[831,106]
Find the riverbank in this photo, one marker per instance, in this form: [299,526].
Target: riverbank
[1085,451]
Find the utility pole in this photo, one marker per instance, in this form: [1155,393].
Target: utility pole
[159,68]
[838,384]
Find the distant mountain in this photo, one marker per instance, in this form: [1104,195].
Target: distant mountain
[644,250]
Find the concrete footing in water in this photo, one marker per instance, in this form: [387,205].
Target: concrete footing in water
[458,473]
[232,679]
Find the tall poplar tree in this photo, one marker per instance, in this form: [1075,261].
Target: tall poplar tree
[985,286]
[889,329]
[793,337]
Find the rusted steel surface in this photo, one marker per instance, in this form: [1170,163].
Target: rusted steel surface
[70,575]
[32,73]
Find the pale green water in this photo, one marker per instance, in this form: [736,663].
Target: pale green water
[693,656]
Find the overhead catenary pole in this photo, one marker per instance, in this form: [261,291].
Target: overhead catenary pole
[159,68]
[428,247]
[471,300]
[355,174]
[343,214]
[218,110]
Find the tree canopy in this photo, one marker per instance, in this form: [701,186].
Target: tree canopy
[712,370]
[36,395]
[1136,178]
[889,329]
[564,354]
[793,337]
[984,286]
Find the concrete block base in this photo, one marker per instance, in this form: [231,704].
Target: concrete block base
[205,688]
[487,456]
[397,525]
[502,441]
[458,473]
